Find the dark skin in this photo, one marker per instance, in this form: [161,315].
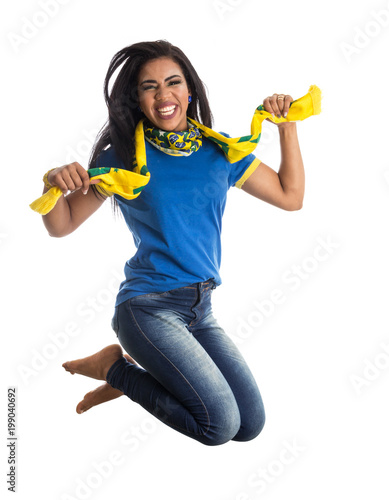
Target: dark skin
[284,189]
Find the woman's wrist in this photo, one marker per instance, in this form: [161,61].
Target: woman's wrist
[46,179]
[287,126]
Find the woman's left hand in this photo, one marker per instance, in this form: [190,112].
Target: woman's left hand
[278,105]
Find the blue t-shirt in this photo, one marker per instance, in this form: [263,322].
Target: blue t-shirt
[176,221]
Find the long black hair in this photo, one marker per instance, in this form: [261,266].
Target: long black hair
[123,102]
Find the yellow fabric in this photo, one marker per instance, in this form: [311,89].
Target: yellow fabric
[113,181]
[237,148]
[248,172]
[129,184]
[45,177]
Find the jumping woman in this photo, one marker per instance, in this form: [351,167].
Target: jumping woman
[178,363]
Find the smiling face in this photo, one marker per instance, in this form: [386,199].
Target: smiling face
[163,94]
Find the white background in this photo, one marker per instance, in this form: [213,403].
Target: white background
[313,356]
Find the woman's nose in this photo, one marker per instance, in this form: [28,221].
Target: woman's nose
[162,93]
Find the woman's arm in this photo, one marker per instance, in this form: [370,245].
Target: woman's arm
[284,189]
[72,210]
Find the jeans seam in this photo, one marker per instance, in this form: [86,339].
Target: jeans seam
[194,322]
[177,370]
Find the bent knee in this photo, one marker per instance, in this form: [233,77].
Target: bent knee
[222,431]
[252,427]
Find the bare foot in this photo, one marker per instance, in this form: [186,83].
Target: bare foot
[97,365]
[101,394]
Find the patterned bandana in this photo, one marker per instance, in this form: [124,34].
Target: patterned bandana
[174,143]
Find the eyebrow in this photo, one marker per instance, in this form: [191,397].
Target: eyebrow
[166,79]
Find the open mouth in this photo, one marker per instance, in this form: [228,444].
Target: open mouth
[167,111]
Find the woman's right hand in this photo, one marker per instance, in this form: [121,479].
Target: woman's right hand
[70,178]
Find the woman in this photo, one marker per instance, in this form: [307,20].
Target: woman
[190,374]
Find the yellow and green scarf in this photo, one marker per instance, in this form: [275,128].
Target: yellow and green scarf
[174,143]
[129,184]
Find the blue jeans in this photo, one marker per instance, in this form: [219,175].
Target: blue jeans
[192,376]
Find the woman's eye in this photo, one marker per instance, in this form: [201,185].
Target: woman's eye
[149,87]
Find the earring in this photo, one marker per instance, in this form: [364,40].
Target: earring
[190,98]
[138,108]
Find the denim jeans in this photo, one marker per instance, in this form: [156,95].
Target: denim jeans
[192,376]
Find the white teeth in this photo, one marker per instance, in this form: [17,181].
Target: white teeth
[169,110]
